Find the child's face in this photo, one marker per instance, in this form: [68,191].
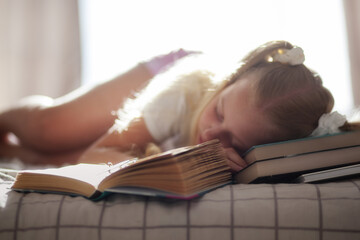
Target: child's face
[233,118]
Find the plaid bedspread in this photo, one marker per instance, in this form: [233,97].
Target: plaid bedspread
[244,211]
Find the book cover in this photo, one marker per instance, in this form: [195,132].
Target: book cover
[302,146]
[330,174]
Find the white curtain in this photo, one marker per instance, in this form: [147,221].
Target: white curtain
[352,14]
[39,48]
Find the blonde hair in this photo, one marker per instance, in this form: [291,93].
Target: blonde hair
[291,97]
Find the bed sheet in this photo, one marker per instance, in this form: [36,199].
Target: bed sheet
[242,211]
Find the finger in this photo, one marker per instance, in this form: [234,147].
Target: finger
[234,160]
[163,62]
[235,157]
[233,166]
[183,53]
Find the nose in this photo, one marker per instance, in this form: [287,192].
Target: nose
[216,132]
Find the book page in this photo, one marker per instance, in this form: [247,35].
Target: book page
[90,173]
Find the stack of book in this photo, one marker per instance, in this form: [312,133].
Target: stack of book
[310,159]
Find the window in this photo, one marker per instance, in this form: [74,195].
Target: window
[118,34]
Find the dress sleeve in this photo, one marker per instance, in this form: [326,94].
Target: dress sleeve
[164,114]
[168,115]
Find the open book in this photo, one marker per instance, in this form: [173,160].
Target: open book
[284,161]
[182,173]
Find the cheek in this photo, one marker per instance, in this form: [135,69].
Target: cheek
[205,119]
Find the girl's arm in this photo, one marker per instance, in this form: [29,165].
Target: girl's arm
[73,121]
[117,144]
[78,119]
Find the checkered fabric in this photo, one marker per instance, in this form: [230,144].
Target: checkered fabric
[244,211]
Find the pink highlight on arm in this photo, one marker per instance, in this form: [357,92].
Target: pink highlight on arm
[161,63]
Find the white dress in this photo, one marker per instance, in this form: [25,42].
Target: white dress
[168,115]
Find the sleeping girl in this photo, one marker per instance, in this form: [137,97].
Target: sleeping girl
[271,96]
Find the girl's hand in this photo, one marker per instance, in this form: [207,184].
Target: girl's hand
[235,162]
[163,62]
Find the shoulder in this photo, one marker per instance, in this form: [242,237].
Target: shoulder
[169,111]
[192,85]
[197,80]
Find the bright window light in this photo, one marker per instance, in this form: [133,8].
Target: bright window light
[118,34]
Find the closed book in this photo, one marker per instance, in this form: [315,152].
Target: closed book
[330,174]
[286,169]
[302,146]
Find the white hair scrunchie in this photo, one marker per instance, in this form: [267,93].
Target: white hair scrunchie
[329,123]
[294,56]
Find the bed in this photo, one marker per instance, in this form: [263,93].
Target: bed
[243,211]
